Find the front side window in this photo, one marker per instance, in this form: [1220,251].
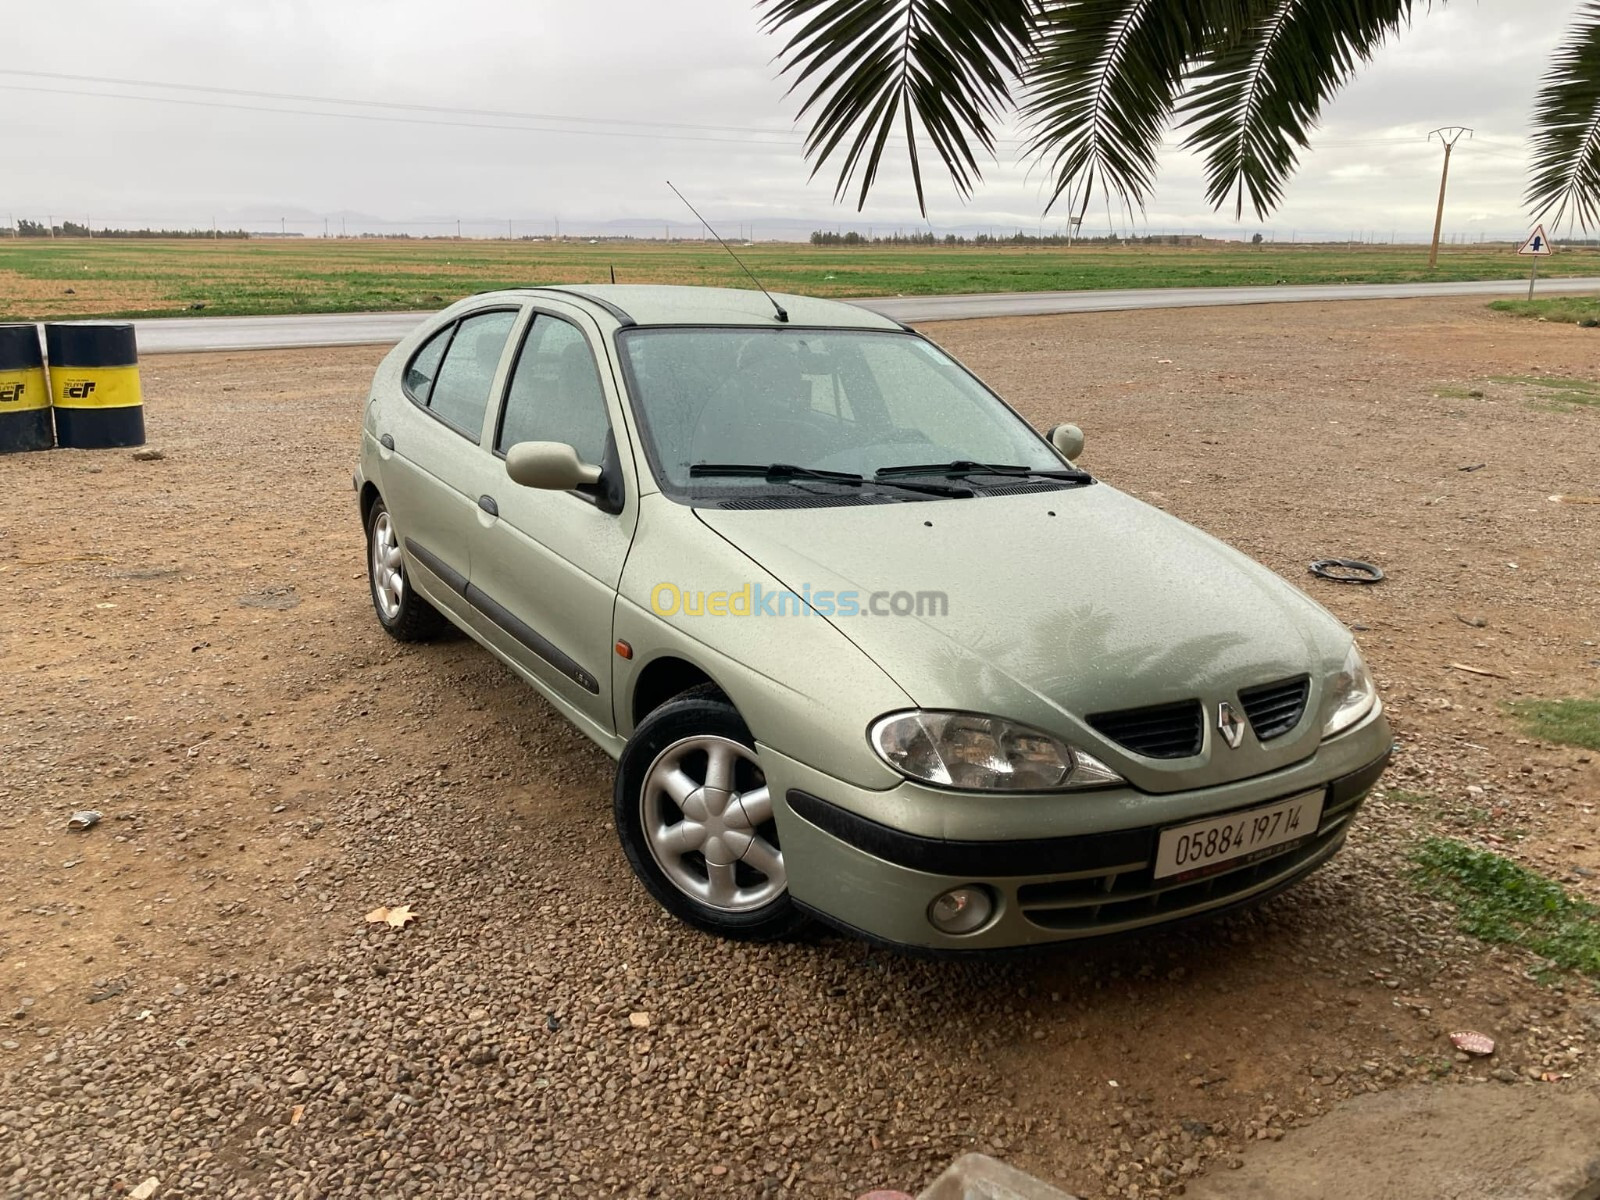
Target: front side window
[460,392]
[555,393]
[855,401]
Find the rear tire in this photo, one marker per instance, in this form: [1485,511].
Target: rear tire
[695,819]
[404,615]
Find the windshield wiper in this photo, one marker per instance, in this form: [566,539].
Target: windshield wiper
[776,472]
[783,472]
[965,466]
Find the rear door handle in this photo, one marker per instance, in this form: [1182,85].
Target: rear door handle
[488,505]
[386,442]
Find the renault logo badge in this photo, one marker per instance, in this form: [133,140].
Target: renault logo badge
[1230,725]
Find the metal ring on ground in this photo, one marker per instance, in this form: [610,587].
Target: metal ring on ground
[1359,572]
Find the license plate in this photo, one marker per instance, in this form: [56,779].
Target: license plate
[1251,834]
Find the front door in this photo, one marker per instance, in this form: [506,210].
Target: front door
[545,565]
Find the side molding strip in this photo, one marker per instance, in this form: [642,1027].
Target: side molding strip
[532,639]
[454,579]
[505,618]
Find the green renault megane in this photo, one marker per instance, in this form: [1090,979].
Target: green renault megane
[866,647]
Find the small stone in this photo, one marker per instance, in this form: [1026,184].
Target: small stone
[149,454]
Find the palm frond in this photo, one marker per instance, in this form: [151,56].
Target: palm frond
[946,65]
[1565,176]
[1101,87]
[1256,97]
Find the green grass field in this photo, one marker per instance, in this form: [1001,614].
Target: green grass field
[1500,901]
[1573,310]
[78,278]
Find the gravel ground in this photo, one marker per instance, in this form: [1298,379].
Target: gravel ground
[189,991]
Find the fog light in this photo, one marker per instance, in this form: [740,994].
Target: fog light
[961,910]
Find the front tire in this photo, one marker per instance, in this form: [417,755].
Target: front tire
[404,615]
[695,819]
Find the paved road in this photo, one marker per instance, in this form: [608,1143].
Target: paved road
[358,329]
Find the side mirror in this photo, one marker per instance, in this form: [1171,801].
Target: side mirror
[1068,441]
[553,466]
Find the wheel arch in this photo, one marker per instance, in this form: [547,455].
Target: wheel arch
[369,496]
[661,679]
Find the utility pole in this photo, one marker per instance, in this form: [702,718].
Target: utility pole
[1449,135]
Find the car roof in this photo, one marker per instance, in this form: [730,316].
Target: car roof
[650,304]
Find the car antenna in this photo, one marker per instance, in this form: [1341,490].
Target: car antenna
[778,308]
[613,272]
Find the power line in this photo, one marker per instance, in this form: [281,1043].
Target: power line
[776,136]
[307,112]
[395,104]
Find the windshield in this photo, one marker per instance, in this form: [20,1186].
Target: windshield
[854,401]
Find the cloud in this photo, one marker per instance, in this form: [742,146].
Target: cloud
[688,92]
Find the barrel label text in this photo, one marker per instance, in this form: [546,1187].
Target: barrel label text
[23,390]
[96,387]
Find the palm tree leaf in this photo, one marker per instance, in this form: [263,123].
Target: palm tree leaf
[1102,84]
[946,65]
[1565,176]
[1256,96]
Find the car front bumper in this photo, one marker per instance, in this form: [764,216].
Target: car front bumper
[1059,867]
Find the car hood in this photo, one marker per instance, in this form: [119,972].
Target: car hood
[1057,605]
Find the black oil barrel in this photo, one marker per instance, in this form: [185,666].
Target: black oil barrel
[94,381]
[24,392]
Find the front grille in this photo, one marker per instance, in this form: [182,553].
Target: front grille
[1275,708]
[1101,903]
[1165,731]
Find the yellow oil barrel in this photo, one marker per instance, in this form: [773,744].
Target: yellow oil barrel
[24,392]
[94,382]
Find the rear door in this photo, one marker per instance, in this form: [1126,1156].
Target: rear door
[545,565]
[434,459]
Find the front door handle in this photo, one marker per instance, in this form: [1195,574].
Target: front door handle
[488,505]
[386,442]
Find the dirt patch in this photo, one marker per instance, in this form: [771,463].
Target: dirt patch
[1458,1142]
[190,649]
[47,298]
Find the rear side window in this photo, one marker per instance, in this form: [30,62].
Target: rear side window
[424,368]
[555,393]
[460,391]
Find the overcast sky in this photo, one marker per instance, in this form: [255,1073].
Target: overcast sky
[637,71]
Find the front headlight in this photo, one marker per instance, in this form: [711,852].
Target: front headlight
[1351,694]
[977,753]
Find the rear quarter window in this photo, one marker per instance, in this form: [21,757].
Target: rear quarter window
[423,368]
